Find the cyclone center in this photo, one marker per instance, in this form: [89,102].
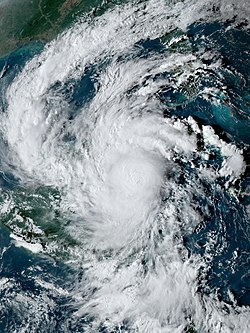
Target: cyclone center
[135,179]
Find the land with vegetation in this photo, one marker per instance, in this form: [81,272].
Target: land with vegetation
[22,21]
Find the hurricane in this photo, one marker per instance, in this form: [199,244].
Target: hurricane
[124,150]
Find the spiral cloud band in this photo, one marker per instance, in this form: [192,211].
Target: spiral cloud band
[115,158]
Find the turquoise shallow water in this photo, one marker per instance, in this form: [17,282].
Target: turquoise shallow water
[219,97]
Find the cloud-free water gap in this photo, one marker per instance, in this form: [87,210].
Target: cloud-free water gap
[137,186]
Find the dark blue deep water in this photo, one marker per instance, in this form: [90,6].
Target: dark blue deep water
[223,236]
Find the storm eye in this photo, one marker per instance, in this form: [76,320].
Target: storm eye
[124,188]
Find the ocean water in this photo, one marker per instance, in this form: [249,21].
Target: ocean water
[124,173]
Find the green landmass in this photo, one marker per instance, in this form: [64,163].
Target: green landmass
[22,21]
[34,215]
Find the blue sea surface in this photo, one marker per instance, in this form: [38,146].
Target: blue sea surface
[222,238]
